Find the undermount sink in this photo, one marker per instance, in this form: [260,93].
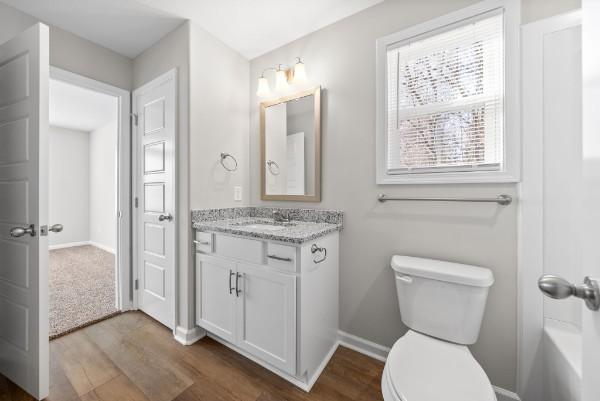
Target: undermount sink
[266,225]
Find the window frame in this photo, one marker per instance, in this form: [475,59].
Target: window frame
[510,171]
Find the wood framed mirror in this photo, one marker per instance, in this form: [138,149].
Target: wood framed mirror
[290,147]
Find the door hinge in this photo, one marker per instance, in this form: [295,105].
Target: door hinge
[136,202]
[134,117]
[136,284]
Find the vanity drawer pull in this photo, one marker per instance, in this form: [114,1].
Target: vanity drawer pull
[201,242]
[279,258]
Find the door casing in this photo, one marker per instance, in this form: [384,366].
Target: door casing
[123,269]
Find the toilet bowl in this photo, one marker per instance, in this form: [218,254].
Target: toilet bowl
[442,303]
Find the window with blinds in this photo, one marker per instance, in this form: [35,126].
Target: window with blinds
[445,99]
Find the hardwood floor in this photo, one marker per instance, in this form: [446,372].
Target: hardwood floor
[133,358]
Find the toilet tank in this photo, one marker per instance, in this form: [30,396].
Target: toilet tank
[442,299]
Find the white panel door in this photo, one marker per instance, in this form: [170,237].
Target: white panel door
[24,70]
[154,136]
[591,193]
[216,296]
[266,316]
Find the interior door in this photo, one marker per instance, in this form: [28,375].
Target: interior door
[154,106]
[591,194]
[216,296]
[24,71]
[266,316]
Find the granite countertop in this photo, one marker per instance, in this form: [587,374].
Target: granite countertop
[305,224]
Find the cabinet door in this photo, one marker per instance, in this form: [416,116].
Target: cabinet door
[215,296]
[266,316]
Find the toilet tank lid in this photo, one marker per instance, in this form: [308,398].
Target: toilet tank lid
[443,271]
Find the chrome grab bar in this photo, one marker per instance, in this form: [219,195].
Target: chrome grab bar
[502,199]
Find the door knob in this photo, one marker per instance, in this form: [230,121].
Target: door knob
[558,288]
[17,232]
[56,228]
[164,217]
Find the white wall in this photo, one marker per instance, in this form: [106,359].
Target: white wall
[68,179]
[103,185]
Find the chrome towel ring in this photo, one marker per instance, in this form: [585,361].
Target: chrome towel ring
[316,248]
[225,156]
[270,164]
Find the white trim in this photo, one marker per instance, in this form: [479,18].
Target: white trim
[512,137]
[505,395]
[82,243]
[172,74]
[103,247]
[68,245]
[188,337]
[363,346]
[123,265]
[530,208]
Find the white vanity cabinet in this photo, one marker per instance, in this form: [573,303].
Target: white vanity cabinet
[276,303]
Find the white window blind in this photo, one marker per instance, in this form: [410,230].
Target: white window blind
[445,99]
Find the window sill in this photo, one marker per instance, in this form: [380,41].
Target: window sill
[475,177]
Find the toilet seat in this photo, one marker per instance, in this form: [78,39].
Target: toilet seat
[422,368]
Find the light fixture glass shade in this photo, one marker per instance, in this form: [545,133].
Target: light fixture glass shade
[281,82]
[299,72]
[263,88]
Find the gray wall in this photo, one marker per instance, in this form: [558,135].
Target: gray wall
[532,10]
[341,58]
[72,53]
[68,184]
[173,51]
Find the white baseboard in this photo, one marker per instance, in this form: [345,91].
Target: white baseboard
[380,352]
[103,247]
[82,243]
[363,346]
[188,336]
[68,245]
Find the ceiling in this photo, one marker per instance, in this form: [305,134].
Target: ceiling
[250,27]
[80,109]
[125,26]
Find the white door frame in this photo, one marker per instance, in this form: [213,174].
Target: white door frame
[123,265]
[530,214]
[169,75]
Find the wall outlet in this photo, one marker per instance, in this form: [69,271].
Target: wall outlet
[237,194]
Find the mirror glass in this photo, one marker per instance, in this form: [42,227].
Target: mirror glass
[291,148]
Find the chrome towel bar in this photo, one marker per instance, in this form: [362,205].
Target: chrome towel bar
[500,199]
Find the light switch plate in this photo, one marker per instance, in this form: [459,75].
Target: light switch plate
[237,194]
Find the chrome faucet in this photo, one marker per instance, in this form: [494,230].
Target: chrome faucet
[280,217]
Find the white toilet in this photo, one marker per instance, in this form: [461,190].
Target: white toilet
[442,303]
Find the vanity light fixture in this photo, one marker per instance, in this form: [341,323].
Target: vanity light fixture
[263,87]
[283,77]
[299,72]
[281,81]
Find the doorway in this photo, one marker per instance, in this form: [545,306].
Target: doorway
[88,188]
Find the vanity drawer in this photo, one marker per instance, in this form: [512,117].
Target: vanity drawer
[281,256]
[239,248]
[204,242]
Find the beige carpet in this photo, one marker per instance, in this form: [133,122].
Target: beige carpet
[82,287]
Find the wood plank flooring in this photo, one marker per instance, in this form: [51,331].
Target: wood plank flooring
[131,357]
